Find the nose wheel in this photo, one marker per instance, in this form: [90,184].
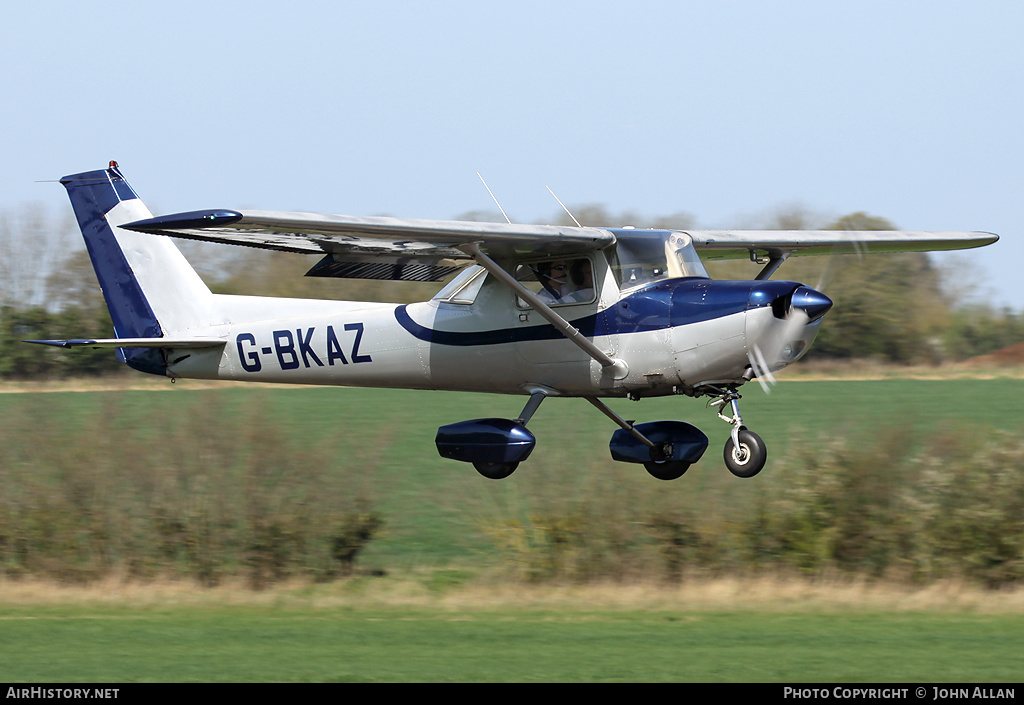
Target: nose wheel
[745,452]
[746,455]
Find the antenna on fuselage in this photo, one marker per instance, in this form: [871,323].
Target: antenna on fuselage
[563,206]
[493,198]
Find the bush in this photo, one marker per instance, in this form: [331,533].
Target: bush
[951,508]
[216,493]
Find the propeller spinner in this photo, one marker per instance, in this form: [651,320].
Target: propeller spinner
[797,317]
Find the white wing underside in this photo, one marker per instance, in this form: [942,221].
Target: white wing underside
[337,234]
[735,244]
[397,240]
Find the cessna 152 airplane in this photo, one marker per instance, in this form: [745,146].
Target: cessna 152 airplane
[541,311]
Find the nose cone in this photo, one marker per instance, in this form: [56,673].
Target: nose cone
[812,302]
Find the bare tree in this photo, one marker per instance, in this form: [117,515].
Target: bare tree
[33,246]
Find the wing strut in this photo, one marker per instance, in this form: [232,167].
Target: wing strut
[775,259]
[616,367]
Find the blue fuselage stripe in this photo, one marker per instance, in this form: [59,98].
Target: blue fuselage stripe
[487,337]
[667,304]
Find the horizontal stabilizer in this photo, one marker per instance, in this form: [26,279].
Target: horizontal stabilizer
[175,343]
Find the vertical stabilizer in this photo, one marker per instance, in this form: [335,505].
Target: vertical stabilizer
[150,288]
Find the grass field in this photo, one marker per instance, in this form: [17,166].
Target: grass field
[436,616]
[233,645]
[786,634]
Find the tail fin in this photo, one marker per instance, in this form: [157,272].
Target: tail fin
[150,288]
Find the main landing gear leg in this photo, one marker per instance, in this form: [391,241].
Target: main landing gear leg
[745,452]
[495,447]
[499,471]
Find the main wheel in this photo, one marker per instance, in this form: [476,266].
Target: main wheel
[496,471]
[749,458]
[668,469]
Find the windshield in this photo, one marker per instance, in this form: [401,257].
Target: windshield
[644,256]
[682,254]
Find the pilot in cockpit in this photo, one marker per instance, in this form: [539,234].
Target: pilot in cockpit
[552,277]
[563,282]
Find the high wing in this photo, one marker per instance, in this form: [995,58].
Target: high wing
[430,250]
[740,244]
[374,247]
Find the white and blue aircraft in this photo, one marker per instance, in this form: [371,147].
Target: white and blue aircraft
[540,311]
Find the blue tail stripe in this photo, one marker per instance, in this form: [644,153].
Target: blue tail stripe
[92,196]
[102,190]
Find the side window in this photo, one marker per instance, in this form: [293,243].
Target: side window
[558,282]
[464,288]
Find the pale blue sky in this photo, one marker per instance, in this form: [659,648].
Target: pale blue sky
[727,110]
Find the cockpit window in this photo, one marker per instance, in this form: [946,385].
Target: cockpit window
[558,281]
[643,257]
[463,289]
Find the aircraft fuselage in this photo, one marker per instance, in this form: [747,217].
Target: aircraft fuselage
[673,335]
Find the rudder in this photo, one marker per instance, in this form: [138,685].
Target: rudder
[150,289]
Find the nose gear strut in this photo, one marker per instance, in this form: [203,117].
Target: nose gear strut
[745,452]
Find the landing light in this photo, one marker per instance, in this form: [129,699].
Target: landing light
[793,350]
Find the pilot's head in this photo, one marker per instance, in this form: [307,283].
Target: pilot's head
[556,271]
